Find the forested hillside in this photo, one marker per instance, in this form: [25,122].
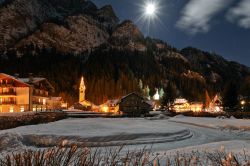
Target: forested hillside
[64,44]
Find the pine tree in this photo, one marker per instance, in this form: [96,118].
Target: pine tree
[230,96]
[170,94]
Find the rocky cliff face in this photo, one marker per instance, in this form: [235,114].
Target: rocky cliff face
[68,25]
[127,35]
[79,34]
[21,18]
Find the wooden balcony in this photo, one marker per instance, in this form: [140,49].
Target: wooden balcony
[41,93]
[4,85]
[37,103]
[11,93]
[8,103]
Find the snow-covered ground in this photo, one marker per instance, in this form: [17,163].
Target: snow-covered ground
[183,134]
[216,123]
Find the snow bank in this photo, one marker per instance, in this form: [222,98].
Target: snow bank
[216,123]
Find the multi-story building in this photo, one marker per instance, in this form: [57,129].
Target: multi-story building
[24,94]
[14,94]
[40,92]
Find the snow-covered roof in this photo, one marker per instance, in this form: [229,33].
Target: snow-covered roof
[133,93]
[180,101]
[3,75]
[35,80]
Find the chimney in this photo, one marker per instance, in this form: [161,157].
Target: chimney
[31,78]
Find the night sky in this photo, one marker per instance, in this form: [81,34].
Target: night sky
[220,26]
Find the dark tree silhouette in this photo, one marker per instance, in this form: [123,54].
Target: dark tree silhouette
[230,96]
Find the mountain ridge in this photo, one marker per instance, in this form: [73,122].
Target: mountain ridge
[51,32]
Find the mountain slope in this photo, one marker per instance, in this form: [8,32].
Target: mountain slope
[64,39]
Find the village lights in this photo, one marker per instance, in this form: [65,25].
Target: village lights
[157,95]
[105,109]
[243,102]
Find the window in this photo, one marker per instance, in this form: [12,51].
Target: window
[22,109]
[11,109]
[44,101]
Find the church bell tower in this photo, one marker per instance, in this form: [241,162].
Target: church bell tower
[82,89]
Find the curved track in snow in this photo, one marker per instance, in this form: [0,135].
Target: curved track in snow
[100,141]
[136,133]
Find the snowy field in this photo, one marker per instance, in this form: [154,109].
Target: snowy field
[164,136]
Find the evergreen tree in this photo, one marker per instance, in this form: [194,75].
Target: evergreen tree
[230,96]
[170,94]
[161,93]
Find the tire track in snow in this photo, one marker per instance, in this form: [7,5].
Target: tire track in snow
[113,140]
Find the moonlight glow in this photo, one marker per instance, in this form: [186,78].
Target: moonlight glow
[150,9]
[149,16]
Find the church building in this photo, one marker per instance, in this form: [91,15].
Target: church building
[83,104]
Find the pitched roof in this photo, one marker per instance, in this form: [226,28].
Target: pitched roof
[134,93]
[3,75]
[35,80]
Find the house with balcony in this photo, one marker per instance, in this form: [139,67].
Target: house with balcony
[40,92]
[14,94]
[25,94]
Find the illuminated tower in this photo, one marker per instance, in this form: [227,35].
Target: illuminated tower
[82,89]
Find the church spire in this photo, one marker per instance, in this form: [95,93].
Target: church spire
[82,89]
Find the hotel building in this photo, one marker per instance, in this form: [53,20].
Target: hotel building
[24,94]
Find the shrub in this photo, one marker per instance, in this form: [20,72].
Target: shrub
[74,156]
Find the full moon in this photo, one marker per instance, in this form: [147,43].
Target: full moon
[150,9]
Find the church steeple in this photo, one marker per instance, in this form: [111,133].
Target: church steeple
[82,89]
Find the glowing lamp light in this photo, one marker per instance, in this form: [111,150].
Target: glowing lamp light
[156,96]
[217,109]
[242,102]
[105,109]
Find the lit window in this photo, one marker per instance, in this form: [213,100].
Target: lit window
[34,109]
[22,109]
[44,101]
[11,109]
